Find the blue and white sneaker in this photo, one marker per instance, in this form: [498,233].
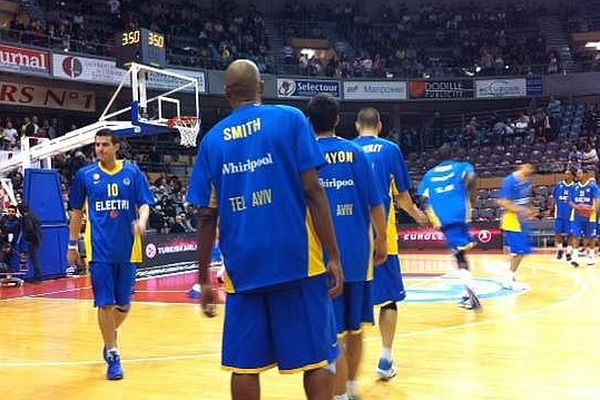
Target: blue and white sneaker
[105,350]
[386,369]
[114,371]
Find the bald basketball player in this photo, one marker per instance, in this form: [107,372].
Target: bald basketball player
[257,171]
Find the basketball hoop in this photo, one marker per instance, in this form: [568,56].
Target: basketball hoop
[188,128]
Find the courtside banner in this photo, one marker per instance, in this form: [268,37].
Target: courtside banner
[418,238]
[441,89]
[500,88]
[374,90]
[169,249]
[95,70]
[305,88]
[22,95]
[22,60]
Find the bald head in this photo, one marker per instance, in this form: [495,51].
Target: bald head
[242,82]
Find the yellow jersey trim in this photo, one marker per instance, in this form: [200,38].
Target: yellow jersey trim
[308,367]
[316,265]
[118,168]
[87,236]
[371,251]
[249,370]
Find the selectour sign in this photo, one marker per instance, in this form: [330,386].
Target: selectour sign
[305,88]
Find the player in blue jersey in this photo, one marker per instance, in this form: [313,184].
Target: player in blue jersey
[355,201]
[257,171]
[391,175]
[515,199]
[584,203]
[562,215]
[448,190]
[116,197]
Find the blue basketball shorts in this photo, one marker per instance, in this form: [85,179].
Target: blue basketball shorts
[354,308]
[388,286]
[292,327]
[582,228]
[562,226]
[518,243]
[458,237]
[112,283]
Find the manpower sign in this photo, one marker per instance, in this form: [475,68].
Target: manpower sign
[21,60]
[95,70]
[375,90]
[305,88]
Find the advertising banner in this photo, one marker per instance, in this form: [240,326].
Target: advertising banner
[306,88]
[22,95]
[169,249]
[535,86]
[441,89]
[414,237]
[95,70]
[500,88]
[374,90]
[21,60]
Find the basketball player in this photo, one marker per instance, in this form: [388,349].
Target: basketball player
[448,190]
[118,199]
[515,199]
[390,170]
[584,203]
[258,169]
[355,201]
[562,215]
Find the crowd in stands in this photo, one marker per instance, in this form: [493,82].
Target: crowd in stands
[432,41]
[429,41]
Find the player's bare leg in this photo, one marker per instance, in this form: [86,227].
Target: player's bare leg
[106,321]
[341,373]
[319,384]
[560,246]
[388,319]
[354,345]
[245,386]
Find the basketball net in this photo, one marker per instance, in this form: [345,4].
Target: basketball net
[188,128]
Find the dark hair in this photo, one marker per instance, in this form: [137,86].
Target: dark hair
[368,117]
[323,111]
[105,132]
[12,207]
[23,208]
[445,151]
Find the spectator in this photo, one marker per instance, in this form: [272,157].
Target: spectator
[32,238]
[10,136]
[179,225]
[589,157]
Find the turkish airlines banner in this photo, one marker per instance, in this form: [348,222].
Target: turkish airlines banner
[170,249]
[414,237]
[22,95]
[21,60]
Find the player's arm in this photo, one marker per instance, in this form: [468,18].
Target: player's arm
[507,204]
[77,198]
[207,234]
[405,202]
[401,181]
[144,199]
[321,217]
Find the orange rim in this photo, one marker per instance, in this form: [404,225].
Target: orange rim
[182,121]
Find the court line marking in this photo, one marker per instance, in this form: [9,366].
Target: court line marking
[582,288]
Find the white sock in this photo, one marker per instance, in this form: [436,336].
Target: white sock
[352,388]
[569,249]
[113,349]
[466,278]
[341,397]
[386,354]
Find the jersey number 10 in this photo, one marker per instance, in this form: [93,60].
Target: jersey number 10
[113,189]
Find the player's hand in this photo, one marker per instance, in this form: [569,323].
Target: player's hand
[380,251]
[336,278]
[139,227]
[207,300]
[73,257]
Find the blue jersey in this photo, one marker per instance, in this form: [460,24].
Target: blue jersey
[518,192]
[390,172]
[445,187]
[584,194]
[352,192]
[561,194]
[111,200]
[249,166]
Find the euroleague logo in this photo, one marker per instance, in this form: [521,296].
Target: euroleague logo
[484,236]
[72,67]
[151,250]
[287,87]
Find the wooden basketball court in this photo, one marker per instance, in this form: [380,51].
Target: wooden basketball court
[543,344]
